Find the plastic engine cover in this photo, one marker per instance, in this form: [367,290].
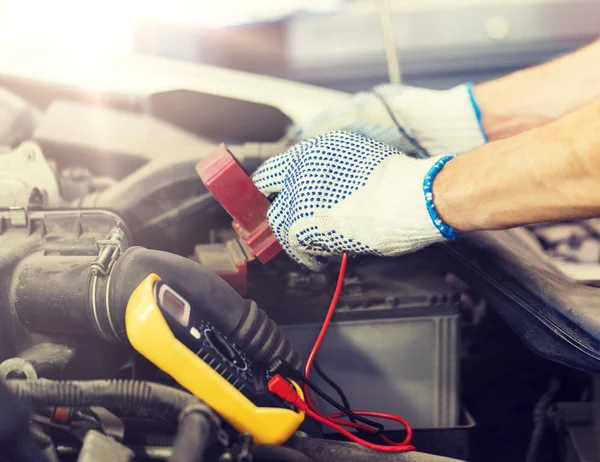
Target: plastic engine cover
[555,316]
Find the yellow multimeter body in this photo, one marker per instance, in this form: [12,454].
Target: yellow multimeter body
[225,384]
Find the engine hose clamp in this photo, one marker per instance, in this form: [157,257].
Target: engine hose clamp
[108,251]
[108,310]
[93,291]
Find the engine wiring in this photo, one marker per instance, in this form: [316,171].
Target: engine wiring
[329,381]
[289,372]
[281,387]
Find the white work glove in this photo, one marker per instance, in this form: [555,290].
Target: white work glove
[343,192]
[418,121]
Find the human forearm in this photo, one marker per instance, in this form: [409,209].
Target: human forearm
[343,192]
[547,174]
[535,96]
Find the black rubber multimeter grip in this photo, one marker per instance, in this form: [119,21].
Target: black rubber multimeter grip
[259,337]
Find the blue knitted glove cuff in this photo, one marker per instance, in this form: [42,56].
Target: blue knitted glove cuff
[477,110]
[444,229]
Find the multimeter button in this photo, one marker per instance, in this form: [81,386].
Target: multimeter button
[195,333]
[224,348]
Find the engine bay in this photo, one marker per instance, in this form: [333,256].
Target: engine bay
[123,284]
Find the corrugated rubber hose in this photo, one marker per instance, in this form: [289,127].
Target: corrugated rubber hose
[198,424]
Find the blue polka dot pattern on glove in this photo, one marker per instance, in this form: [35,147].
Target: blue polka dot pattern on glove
[316,175]
[343,192]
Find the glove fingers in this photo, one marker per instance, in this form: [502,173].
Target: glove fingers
[362,110]
[280,224]
[313,263]
[386,134]
[310,262]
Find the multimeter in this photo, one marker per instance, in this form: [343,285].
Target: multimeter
[163,327]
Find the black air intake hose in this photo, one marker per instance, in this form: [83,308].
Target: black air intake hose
[198,424]
[53,293]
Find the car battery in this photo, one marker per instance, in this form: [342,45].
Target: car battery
[393,345]
[405,365]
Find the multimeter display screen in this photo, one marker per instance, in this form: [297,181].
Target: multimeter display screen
[174,305]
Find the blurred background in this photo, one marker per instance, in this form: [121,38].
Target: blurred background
[334,43]
[101,115]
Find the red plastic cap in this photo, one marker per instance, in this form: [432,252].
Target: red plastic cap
[224,177]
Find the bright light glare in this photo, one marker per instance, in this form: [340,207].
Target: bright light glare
[223,13]
[92,28]
[77,26]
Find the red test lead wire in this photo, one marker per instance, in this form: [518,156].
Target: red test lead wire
[334,421]
[330,311]
[282,388]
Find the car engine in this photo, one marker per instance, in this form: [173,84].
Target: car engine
[105,224]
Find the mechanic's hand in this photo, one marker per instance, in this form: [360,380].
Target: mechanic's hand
[343,192]
[418,121]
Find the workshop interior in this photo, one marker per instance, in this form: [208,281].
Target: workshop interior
[147,311]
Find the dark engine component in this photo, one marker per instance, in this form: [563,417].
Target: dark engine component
[555,316]
[146,167]
[65,235]
[138,166]
[229,119]
[68,133]
[165,204]
[59,288]
[198,424]
[62,294]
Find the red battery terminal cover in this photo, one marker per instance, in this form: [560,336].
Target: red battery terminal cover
[225,178]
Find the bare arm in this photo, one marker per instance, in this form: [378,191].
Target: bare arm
[549,173]
[532,97]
